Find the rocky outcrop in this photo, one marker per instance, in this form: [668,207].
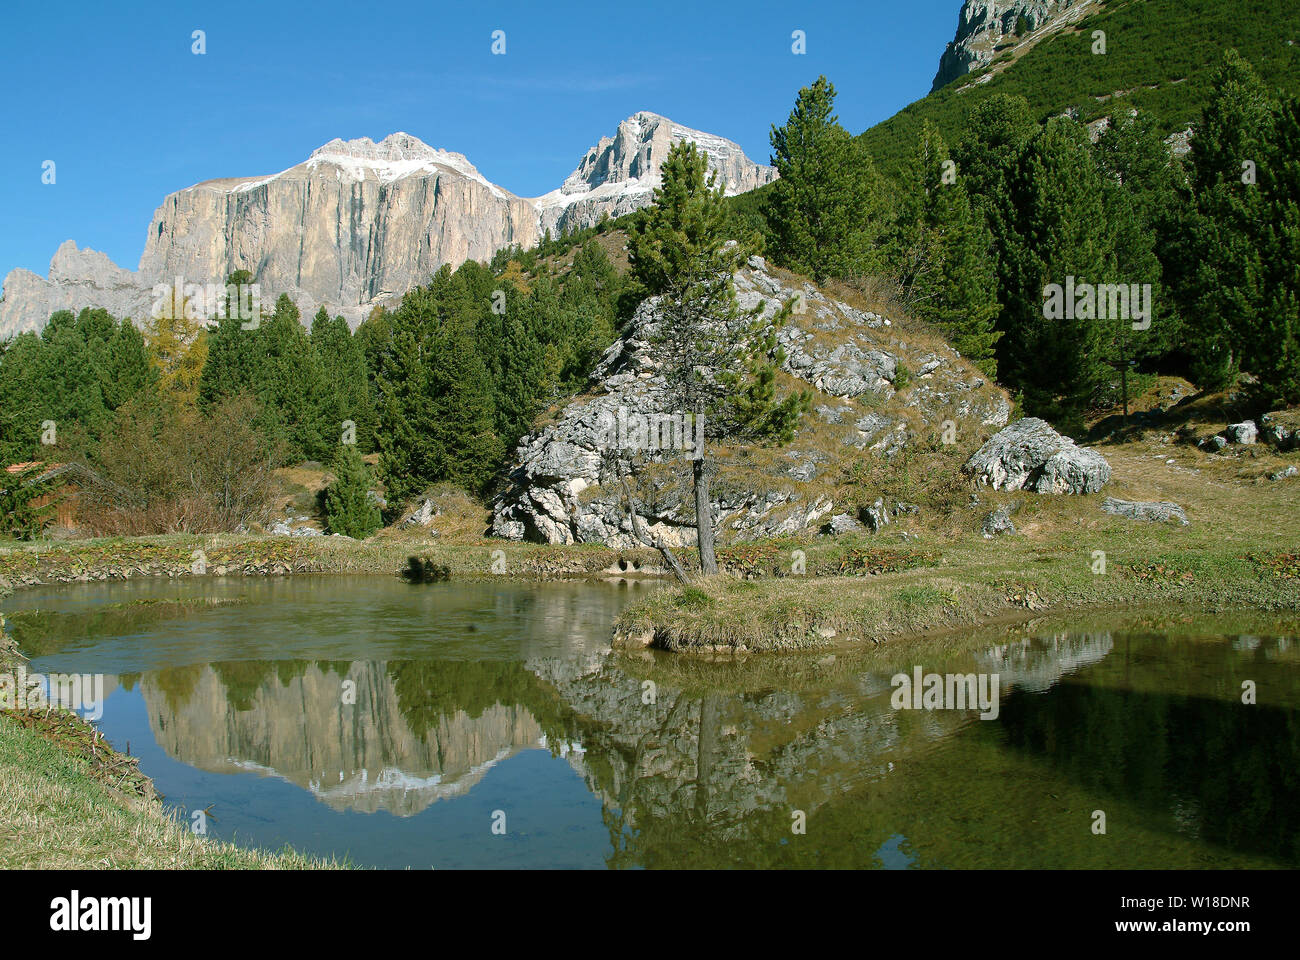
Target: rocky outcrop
[566,482]
[1161,511]
[1030,455]
[359,223]
[987,27]
[1281,429]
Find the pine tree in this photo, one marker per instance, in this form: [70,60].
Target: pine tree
[827,207]
[349,508]
[941,251]
[460,398]
[290,385]
[1236,276]
[1063,230]
[679,252]
[347,382]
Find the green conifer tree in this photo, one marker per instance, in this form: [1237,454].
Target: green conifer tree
[827,205]
[349,508]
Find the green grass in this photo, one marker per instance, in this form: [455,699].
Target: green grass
[56,814]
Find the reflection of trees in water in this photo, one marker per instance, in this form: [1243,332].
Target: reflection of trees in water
[1214,769]
[429,690]
[709,776]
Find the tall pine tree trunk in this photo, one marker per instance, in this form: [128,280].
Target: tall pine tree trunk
[704,517]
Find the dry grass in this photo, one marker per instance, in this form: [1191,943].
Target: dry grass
[1235,514]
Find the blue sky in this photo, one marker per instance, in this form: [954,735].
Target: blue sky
[114,96]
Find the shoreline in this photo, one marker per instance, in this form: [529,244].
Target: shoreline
[859,598]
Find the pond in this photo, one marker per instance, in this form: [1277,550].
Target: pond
[489,725]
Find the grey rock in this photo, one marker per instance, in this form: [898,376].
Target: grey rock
[1030,455]
[997,523]
[1244,433]
[1161,511]
[1285,474]
[842,523]
[875,516]
[1073,470]
[1278,434]
[422,515]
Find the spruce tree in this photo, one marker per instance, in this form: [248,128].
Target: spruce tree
[349,508]
[347,382]
[291,387]
[1237,275]
[827,207]
[1062,230]
[941,252]
[460,399]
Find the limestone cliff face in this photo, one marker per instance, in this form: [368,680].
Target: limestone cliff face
[989,24]
[355,224]
[78,278]
[359,223]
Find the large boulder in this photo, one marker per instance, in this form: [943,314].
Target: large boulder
[1030,455]
[1244,433]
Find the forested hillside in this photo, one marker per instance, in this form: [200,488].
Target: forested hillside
[1160,57]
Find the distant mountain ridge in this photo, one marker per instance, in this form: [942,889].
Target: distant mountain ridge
[359,223]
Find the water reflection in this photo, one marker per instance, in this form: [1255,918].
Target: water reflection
[695,764]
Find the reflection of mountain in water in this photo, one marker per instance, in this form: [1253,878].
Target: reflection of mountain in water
[365,756]
[711,774]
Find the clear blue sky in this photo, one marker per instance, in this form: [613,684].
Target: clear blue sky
[113,94]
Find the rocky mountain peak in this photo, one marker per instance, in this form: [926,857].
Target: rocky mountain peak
[359,223]
[395,146]
[620,173]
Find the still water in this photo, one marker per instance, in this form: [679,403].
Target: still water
[489,725]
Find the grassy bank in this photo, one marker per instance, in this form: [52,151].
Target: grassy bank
[936,572]
[69,800]
[229,555]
